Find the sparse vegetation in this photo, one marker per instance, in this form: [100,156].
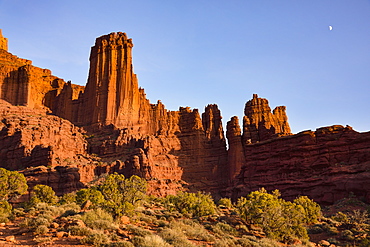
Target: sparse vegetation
[12,185]
[117,213]
[43,193]
[196,204]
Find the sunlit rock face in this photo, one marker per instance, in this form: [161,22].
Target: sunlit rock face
[260,124]
[327,164]
[3,42]
[66,135]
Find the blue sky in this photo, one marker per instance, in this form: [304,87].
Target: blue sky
[199,52]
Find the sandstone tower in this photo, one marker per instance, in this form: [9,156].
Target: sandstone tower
[3,42]
[112,94]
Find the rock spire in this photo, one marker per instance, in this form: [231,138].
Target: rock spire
[3,42]
[260,124]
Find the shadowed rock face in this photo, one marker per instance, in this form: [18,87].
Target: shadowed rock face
[121,131]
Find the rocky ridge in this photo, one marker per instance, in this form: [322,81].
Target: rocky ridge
[121,131]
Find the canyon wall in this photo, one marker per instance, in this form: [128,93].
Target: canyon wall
[327,164]
[172,149]
[65,136]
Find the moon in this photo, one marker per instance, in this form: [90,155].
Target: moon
[330,28]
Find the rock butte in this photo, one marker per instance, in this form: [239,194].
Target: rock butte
[65,136]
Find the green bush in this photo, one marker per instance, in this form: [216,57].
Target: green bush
[120,244]
[226,242]
[96,239]
[41,230]
[226,202]
[79,231]
[348,235]
[151,241]
[41,219]
[223,229]
[98,219]
[175,238]
[5,211]
[91,194]
[192,230]
[43,193]
[280,220]
[12,185]
[196,204]
[312,209]
[68,198]
[121,194]
[138,231]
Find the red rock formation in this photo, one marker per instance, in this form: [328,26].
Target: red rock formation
[3,42]
[112,94]
[236,158]
[27,85]
[260,124]
[182,153]
[149,140]
[173,150]
[32,138]
[325,165]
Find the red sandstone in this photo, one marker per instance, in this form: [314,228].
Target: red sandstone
[121,131]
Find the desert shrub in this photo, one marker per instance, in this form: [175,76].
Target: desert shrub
[69,209]
[12,184]
[43,241]
[45,209]
[332,230]
[120,244]
[358,217]
[121,194]
[98,219]
[92,194]
[147,218]
[312,209]
[315,229]
[192,230]
[365,243]
[248,241]
[96,239]
[226,242]
[280,220]
[68,198]
[347,235]
[40,220]
[41,230]
[196,204]
[341,217]
[223,229]
[150,241]
[43,193]
[138,231]
[226,202]
[175,238]
[266,242]
[19,212]
[5,211]
[161,223]
[79,231]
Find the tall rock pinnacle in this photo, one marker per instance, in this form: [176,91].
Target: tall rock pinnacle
[3,42]
[112,95]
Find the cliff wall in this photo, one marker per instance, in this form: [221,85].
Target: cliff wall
[327,164]
[121,131]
